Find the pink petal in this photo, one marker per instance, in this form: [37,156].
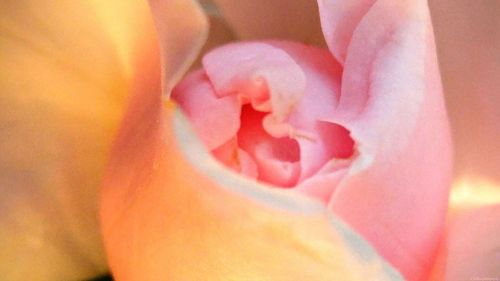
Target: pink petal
[276,158]
[264,74]
[237,159]
[216,120]
[300,87]
[396,191]
[317,141]
[322,186]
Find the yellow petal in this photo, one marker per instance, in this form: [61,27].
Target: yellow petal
[65,68]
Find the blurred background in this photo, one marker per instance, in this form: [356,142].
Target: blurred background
[65,73]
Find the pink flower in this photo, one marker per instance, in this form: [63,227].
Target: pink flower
[351,134]
[364,123]
[169,209]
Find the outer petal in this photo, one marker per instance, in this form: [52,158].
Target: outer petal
[64,73]
[396,191]
[170,211]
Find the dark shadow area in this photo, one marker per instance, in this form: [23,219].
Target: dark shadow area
[101,278]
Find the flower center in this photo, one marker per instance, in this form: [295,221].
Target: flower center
[277,159]
[268,111]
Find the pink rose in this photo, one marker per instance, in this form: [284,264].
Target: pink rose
[170,211]
[351,134]
[361,128]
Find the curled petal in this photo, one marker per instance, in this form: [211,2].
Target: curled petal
[297,86]
[215,119]
[263,74]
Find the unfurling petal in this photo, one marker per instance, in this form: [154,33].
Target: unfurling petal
[396,191]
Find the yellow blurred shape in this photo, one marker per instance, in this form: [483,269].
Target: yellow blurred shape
[467,193]
[125,35]
[65,74]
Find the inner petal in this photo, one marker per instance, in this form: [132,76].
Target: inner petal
[277,82]
[236,158]
[215,119]
[278,159]
[268,110]
[331,141]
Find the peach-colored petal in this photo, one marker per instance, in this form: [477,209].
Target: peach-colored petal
[396,191]
[170,210]
[295,20]
[65,68]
